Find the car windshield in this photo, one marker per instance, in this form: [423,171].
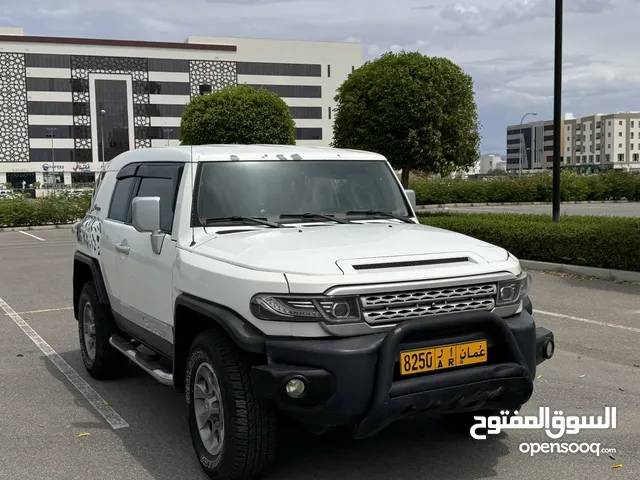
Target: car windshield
[269,189]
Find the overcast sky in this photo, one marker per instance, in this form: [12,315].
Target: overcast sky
[506,45]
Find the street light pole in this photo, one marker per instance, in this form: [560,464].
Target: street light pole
[102,112]
[522,141]
[167,131]
[557,111]
[52,134]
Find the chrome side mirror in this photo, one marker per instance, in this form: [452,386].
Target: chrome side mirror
[145,216]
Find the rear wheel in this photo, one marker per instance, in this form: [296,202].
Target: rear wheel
[234,433]
[95,327]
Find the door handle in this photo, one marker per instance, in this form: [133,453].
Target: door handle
[122,248]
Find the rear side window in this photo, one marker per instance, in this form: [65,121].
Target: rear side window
[120,200]
[163,188]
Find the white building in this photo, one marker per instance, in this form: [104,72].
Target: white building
[63,95]
[486,163]
[591,143]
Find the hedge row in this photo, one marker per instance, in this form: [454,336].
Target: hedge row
[604,242]
[56,209]
[529,188]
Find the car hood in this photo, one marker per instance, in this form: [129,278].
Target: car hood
[338,249]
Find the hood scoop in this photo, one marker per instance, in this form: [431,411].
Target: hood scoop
[410,263]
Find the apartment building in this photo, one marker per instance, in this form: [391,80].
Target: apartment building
[70,103]
[591,143]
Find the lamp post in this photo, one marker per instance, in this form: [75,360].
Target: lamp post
[167,131]
[52,133]
[557,111]
[522,141]
[102,112]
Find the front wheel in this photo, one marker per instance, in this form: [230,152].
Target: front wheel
[233,432]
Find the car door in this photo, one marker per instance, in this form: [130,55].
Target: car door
[113,231]
[147,278]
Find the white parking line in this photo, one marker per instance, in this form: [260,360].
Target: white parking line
[102,407]
[32,236]
[586,320]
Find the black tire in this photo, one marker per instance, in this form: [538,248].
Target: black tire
[107,363]
[250,425]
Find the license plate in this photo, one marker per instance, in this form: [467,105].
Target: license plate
[442,357]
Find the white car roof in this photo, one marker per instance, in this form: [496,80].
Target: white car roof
[229,153]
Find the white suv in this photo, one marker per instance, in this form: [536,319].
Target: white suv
[273,281]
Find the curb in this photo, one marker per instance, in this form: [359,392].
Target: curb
[495,204]
[64,226]
[604,273]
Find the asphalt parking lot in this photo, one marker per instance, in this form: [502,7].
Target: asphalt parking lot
[631,209]
[45,410]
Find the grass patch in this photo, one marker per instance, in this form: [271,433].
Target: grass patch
[602,242]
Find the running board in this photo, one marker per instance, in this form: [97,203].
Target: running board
[143,361]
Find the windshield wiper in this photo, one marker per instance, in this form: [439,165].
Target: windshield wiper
[379,213]
[254,220]
[313,215]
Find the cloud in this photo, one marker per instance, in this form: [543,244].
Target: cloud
[505,45]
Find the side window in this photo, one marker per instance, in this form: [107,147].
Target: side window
[163,188]
[120,200]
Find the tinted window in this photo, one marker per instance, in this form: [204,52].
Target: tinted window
[293,91]
[168,65]
[47,61]
[163,188]
[50,108]
[120,199]
[279,69]
[306,112]
[310,133]
[48,84]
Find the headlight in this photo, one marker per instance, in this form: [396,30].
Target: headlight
[513,291]
[286,308]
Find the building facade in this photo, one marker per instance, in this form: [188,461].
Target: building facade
[589,144]
[69,104]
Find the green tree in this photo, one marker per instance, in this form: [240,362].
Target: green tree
[417,111]
[237,115]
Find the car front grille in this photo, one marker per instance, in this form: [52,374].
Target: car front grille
[379,309]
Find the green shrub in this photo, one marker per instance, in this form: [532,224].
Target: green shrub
[530,188]
[56,209]
[604,242]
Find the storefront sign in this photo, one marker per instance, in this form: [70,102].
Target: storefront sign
[82,167]
[46,167]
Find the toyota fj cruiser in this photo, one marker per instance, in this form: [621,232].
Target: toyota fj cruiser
[271,282]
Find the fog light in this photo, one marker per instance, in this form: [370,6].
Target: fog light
[295,388]
[549,349]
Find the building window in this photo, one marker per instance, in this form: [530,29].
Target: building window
[293,91]
[48,84]
[607,157]
[631,146]
[306,112]
[168,65]
[631,135]
[619,145]
[635,157]
[205,89]
[157,110]
[609,123]
[279,69]
[353,68]
[621,157]
[162,88]
[308,133]
[609,134]
[608,145]
[47,61]
[50,108]
[111,96]
[328,70]
[591,158]
[632,123]
[163,133]
[329,112]
[620,122]
[598,125]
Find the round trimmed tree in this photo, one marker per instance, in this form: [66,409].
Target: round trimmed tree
[237,115]
[417,111]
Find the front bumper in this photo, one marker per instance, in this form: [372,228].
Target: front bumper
[355,381]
